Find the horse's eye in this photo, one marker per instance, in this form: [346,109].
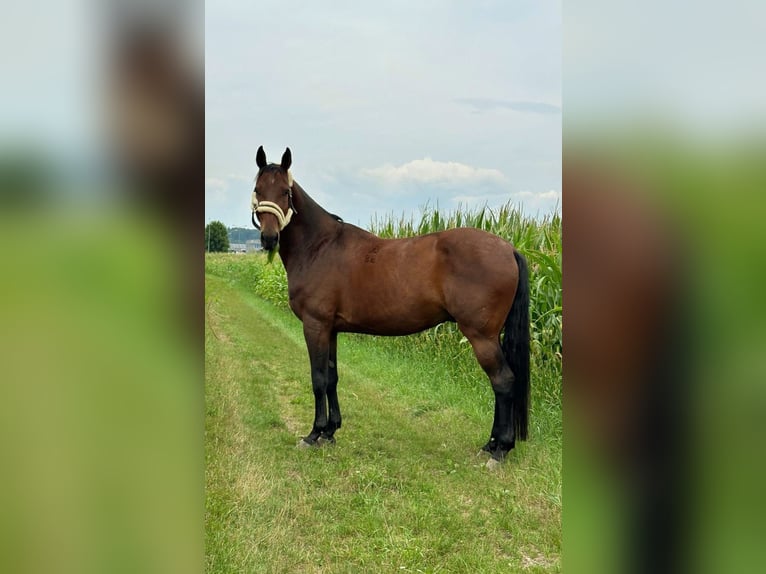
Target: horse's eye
[286,192]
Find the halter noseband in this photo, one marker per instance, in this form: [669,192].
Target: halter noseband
[271,207]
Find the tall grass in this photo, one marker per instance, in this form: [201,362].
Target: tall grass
[252,272]
[539,240]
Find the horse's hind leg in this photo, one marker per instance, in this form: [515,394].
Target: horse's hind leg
[334,418]
[490,356]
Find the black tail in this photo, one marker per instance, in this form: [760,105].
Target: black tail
[516,349]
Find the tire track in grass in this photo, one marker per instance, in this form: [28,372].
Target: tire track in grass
[362,399]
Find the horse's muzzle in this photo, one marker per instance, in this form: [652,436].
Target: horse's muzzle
[269,242]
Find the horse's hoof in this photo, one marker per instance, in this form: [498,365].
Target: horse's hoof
[493,464]
[303,445]
[482,453]
[324,440]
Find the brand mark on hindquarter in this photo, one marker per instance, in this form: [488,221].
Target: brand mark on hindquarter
[371,255]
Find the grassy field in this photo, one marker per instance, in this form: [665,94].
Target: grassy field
[403,490]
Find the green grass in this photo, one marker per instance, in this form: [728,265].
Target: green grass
[403,490]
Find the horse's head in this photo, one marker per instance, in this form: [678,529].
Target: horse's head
[272,200]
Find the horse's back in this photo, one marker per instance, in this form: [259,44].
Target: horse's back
[465,247]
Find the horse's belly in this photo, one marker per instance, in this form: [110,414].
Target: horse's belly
[390,319]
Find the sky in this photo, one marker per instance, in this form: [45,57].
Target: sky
[386,107]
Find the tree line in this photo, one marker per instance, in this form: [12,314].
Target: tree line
[218,238]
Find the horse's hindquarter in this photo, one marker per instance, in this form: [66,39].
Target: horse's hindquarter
[480,277]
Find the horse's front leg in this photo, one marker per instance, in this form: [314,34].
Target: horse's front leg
[334,421]
[317,338]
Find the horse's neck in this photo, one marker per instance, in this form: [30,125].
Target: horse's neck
[310,226]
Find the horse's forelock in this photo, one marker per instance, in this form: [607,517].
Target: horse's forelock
[275,167]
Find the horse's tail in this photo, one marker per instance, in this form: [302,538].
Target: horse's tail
[515,346]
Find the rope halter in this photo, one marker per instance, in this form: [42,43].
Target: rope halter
[271,207]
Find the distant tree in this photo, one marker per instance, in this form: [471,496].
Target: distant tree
[216,237]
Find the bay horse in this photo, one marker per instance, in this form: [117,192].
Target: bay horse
[342,278]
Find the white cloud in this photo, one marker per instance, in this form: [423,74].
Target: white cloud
[551,194]
[538,202]
[215,184]
[429,171]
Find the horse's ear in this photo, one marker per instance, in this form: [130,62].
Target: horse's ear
[260,158]
[287,159]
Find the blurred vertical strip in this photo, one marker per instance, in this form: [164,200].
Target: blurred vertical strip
[663,209]
[101,370]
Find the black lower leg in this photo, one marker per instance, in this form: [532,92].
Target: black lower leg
[320,413]
[503,437]
[318,342]
[334,416]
